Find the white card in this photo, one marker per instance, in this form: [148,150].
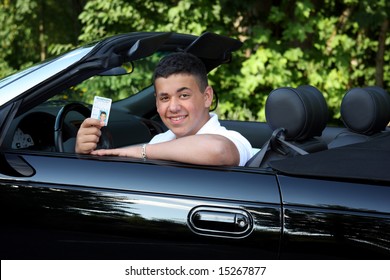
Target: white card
[101,109]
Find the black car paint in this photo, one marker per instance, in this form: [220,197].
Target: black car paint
[120,202]
[65,206]
[337,217]
[114,208]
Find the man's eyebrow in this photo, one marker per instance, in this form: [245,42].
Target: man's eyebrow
[177,91]
[183,89]
[161,93]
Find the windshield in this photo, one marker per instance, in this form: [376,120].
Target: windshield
[114,87]
[19,82]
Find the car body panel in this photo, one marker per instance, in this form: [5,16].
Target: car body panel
[60,205]
[139,200]
[350,218]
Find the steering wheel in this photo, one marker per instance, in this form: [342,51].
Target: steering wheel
[77,107]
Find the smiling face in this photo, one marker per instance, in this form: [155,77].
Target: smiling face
[103,116]
[182,106]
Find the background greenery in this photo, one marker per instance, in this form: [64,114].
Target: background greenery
[331,44]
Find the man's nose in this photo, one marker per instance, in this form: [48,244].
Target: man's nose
[174,105]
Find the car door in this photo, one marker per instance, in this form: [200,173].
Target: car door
[67,206]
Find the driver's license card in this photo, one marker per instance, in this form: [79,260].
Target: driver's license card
[101,109]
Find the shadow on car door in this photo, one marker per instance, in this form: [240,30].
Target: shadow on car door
[70,207]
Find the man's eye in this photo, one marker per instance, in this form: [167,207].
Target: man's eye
[164,98]
[184,95]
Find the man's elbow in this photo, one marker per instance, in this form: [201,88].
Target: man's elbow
[226,154]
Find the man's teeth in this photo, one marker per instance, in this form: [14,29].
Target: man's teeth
[177,118]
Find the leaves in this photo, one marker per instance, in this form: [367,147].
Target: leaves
[330,44]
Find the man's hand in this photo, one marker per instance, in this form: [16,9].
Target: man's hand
[131,151]
[88,136]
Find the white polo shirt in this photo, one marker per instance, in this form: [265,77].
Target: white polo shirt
[214,127]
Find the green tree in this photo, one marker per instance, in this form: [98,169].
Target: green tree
[33,30]
[331,44]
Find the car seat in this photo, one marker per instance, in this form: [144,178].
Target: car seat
[365,113]
[297,117]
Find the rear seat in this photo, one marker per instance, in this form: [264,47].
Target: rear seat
[297,117]
[365,113]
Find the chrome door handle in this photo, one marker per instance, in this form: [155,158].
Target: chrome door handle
[220,221]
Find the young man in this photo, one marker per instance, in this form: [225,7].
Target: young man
[183,99]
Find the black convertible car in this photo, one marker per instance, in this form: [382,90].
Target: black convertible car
[311,191]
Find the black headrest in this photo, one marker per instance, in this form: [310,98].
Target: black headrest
[366,110]
[301,111]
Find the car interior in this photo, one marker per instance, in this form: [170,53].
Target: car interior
[365,113]
[296,118]
[300,112]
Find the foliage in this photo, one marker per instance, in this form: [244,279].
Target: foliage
[331,44]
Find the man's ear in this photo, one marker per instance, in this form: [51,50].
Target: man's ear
[208,96]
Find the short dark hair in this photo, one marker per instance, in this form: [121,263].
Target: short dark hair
[182,63]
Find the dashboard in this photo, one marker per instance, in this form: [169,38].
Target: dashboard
[34,130]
